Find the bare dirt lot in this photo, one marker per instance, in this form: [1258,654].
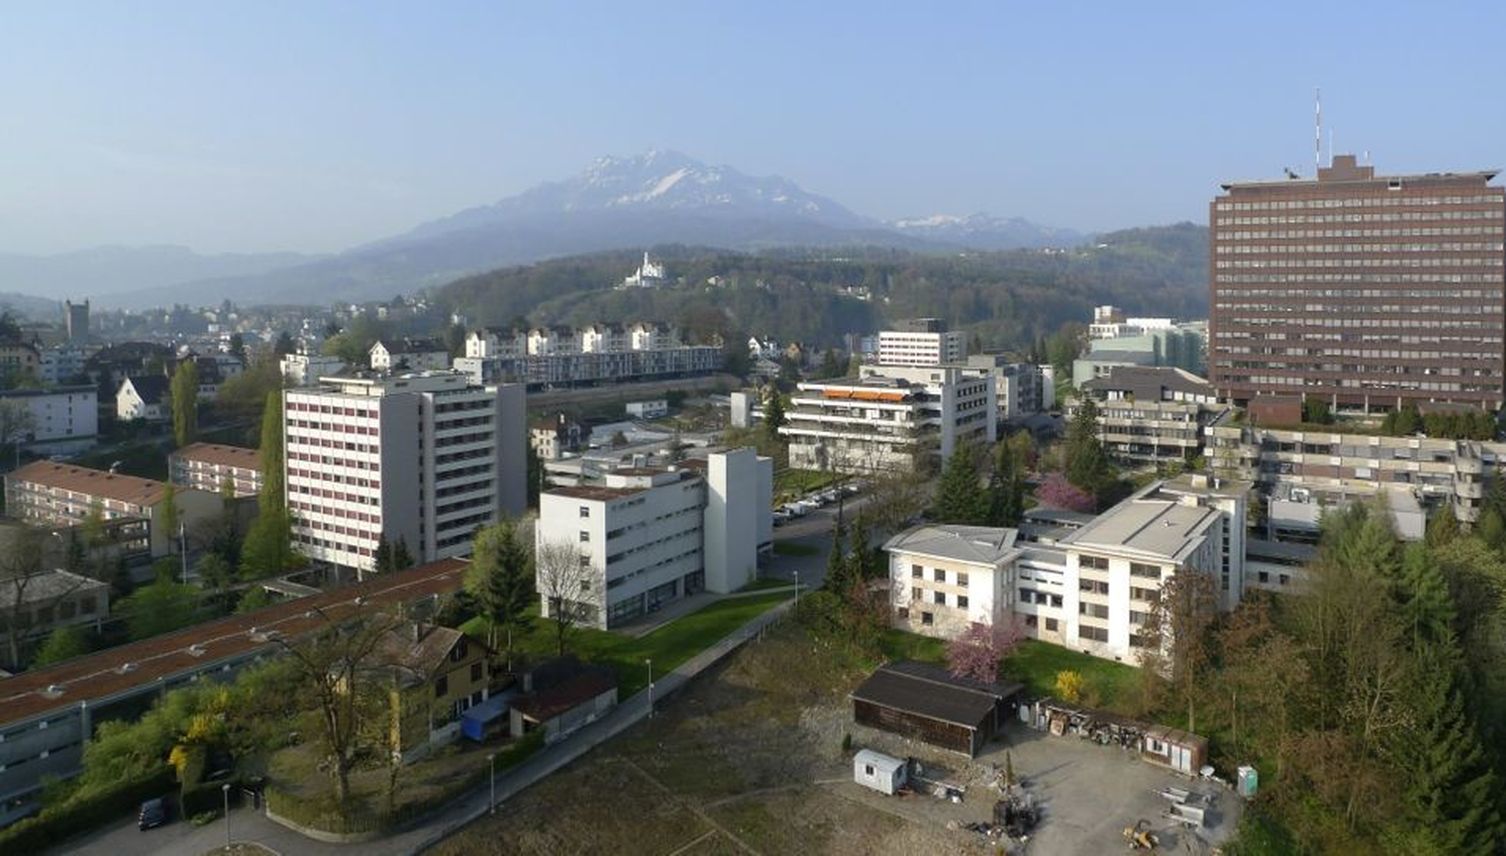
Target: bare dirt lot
[749,759]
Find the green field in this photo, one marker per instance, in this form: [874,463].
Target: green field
[790,548]
[668,647]
[1035,664]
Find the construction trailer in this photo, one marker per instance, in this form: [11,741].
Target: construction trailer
[926,703]
[883,773]
[1180,750]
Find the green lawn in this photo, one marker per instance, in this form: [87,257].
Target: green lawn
[903,645]
[1035,664]
[791,483]
[766,583]
[790,548]
[668,647]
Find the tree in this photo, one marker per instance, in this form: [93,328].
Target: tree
[499,582]
[1087,463]
[1177,634]
[254,598]
[185,402]
[238,347]
[960,496]
[285,344]
[1315,411]
[839,571]
[334,666]
[392,555]
[215,570]
[170,517]
[773,414]
[17,422]
[160,607]
[567,582]
[268,549]
[1006,489]
[536,476]
[863,558]
[23,581]
[976,652]
[64,643]
[1443,526]
[1057,492]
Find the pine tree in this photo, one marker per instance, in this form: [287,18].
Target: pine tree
[499,581]
[1006,490]
[1425,600]
[1491,528]
[960,495]
[1443,526]
[1087,462]
[839,570]
[773,414]
[859,554]
[268,548]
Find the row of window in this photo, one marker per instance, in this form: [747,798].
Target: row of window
[1369,262]
[1288,249]
[918,595]
[1358,217]
[1415,232]
[296,405]
[1363,202]
[1303,278]
[918,572]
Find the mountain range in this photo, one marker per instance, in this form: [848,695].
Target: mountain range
[658,197]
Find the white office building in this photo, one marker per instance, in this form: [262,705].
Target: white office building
[921,342]
[421,458]
[888,418]
[648,536]
[1093,588]
[305,369]
[62,419]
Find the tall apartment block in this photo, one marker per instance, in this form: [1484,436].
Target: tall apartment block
[424,458]
[921,342]
[1368,292]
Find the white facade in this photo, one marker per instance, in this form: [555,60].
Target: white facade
[649,536]
[304,369]
[905,348]
[424,458]
[387,357]
[655,409]
[650,274]
[62,418]
[491,342]
[889,415]
[131,403]
[1091,590]
[62,363]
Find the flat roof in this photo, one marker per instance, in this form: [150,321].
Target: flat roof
[115,670]
[593,492]
[222,455]
[1162,528]
[116,486]
[930,691]
[986,545]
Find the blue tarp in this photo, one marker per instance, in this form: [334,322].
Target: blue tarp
[474,721]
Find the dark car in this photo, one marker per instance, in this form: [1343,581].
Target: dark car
[153,813]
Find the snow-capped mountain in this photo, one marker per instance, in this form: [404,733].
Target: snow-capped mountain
[987,232]
[657,182]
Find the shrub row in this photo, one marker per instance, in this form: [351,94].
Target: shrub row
[84,810]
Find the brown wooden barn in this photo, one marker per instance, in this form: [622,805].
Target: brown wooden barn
[926,703]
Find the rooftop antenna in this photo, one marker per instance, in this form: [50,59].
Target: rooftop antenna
[1330,144]
[1317,128]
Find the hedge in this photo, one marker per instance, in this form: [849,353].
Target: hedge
[208,797]
[323,814]
[83,811]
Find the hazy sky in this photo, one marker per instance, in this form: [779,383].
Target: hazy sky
[315,126]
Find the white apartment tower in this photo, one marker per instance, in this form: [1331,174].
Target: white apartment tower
[921,342]
[421,458]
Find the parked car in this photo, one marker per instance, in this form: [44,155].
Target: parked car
[781,516]
[795,509]
[153,813]
[850,488]
[830,496]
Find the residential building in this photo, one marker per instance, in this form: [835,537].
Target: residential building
[1150,416]
[47,714]
[34,605]
[305,369]
[1319,468]
[1109,323]
[63,419]
[409,354]
[145,397]
[1021,390]
[65,363]
[76,319]
[1364,291]
[552,438]
[437,674]
[648,536]
[423,458]
[212,466]
[47,493]
[921,342]
[496,342]
[19,359]
[1091,585]
[888,417]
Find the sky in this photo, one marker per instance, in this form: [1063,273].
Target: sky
[315,126]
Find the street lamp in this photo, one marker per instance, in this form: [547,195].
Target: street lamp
[797,587]
[650,663]
[225,789]
[491,807]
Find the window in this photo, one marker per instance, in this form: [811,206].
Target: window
[962,601]
[475,671]
[1098,563]
[1138,641]
[917,572]
[961,578]
[585,511]
[867,769]
[1095,634]
[939,597]
[585,537]
[1030,621]
[1144,594]
[1140,569]
[585,585]
[1027,596]
[917,594]
[1137,617]
[940,575]
[442,686]
[1051,624]
[1056,601]
[1093,586]
[927,619]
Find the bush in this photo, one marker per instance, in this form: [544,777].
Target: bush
[846,742]
[208,797]
[204,818]
[85,809]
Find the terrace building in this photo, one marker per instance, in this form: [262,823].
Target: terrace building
[1149,416]
[421,458]
[211,466]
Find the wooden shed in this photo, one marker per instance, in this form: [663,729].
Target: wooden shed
[1180,750]
[927,703]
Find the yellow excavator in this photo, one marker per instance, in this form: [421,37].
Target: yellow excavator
[1140,837]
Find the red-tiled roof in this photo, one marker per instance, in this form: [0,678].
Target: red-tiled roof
[225,456]
[568,695]
[115,670]
[123,488]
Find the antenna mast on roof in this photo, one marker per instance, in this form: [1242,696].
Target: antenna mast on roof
[1317,130]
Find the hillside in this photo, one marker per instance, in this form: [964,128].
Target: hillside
[1006,298]
[105,274]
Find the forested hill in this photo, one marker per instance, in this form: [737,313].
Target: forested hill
[1007,298]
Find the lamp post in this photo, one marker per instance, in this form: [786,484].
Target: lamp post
[797,587]
[650,663]
[225,790]
[491,760]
